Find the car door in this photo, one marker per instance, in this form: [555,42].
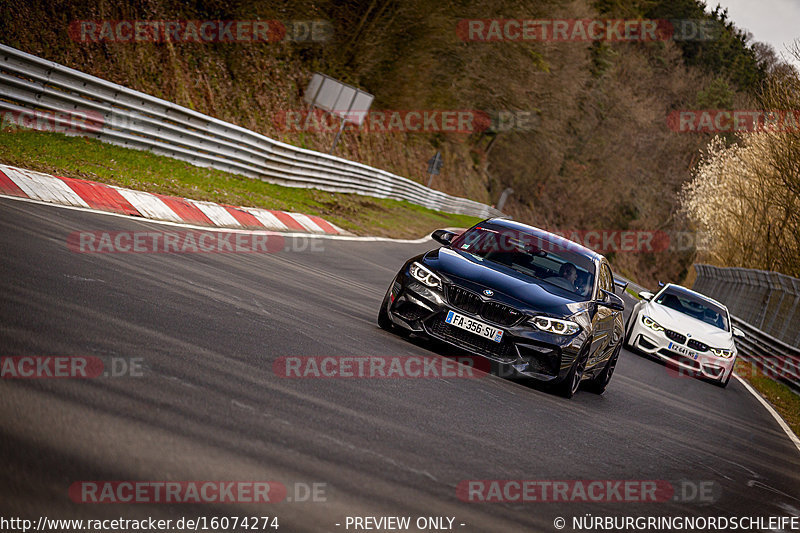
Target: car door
[604,319]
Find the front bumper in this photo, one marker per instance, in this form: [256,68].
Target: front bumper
[530,352]
[691,362]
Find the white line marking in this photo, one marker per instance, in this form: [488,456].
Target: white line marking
[773,412]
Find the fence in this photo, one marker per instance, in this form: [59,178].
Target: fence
[122,116]
[766,306]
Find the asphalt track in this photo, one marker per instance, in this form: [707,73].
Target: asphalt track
[208,406]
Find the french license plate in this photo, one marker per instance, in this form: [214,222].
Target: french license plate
[478,328]
[685,351]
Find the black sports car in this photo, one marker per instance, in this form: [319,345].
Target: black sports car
[517,295]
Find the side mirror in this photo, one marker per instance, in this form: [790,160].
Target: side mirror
[442,236]
[646,295]
[611,301]
[660,284]
[738,333]
[620,284]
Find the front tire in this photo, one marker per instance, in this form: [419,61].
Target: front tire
[724,383]
[572,382]
[384,322]
[626,341]
[598,384]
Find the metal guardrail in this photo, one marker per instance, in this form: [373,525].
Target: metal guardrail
[122,116]
[768,301]
[774,358]
[766,307]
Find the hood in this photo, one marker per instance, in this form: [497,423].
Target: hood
[534,294]
[683,323]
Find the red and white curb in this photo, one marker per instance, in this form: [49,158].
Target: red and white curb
[98,196]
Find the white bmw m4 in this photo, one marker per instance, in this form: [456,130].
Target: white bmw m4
[684,329]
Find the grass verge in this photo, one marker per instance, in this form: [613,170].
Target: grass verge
[632,293]
[79,157]
[781,396]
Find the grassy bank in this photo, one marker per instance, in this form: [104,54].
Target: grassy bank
[78,157]
[782,398]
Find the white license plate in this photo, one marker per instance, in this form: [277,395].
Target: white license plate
[478,328]
[685,351]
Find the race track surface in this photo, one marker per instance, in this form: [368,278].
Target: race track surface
[207,328]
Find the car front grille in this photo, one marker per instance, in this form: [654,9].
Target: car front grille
[697,345]
[464,299]
[675,336]
[501,350]
[472,303]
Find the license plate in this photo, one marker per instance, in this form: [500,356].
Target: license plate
[478,328]
[685,351]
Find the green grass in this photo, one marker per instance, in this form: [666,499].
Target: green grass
[632,293]
[782,398]
[78,157]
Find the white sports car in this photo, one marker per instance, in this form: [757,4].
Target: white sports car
[685,329]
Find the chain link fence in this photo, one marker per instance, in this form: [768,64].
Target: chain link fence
[766,306]
[766,300]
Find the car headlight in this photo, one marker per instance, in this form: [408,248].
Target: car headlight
[652,324]
[555,325]
[425,276]
[722,352]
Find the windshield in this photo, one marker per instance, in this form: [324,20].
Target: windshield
[694,307]
[550,261]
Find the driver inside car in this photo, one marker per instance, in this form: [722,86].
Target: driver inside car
[569,273]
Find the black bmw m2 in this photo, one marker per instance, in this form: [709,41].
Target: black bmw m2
[517,295]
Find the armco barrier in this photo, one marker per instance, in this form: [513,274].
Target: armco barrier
[766,307]
[122,116]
